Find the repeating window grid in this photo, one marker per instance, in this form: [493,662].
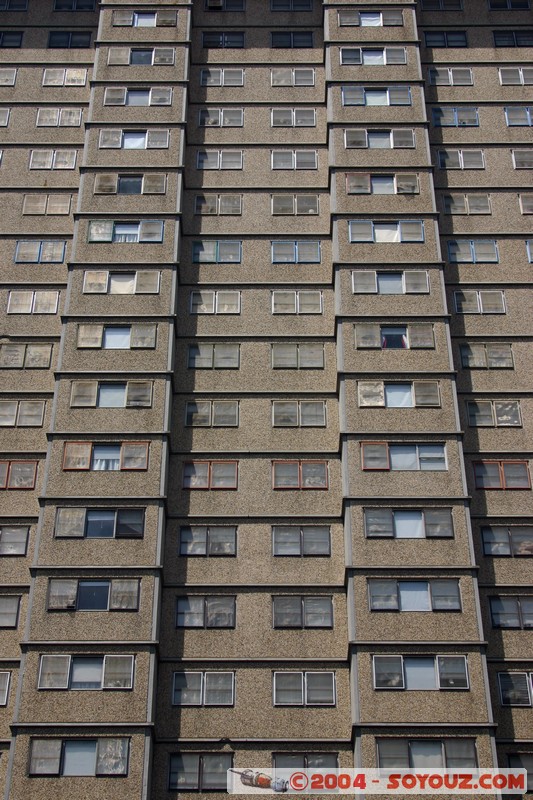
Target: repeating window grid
[374,19]
[420,673]
[451,76]
[293,159]
[69,39]
[446,39]
[223,39]
[73,594]
[218,204]
[8,76]
[46,204]
[494,413]
[461,159]
[508,475]
[304,688]
[515,76]
[385,283]
[199,771]
[25,356]
[53,159]
[37,302]
[291,5]
[480,302]
[4,117]
[108,457]
[292,117]
[368,231]
[209,541]
[515,688]
[379,138]
[141,56]
[467,204]
[301,541]
[384,96]
[302,612]
[194,688]
[386,394]
[364,56]
[381,183]
[517,5]
[507,540]
[517,38]
[302,301]
[9,610]
[291,39]
[213,356]
[522,159]
[440,595]
[40,251]
[150,139]
[5,680]
[414,753]
[487,355]
[14,540]
[455,117]
[415,336]
[297,76]
[529,250]
[526,203]
[114,337]
[145,19]
[105,756]
[382,456]
[206,611]
[54,76]
[473,251]
[442,5]
[86,673]
[123,283]
[221,301]
[13,5]
[221,117]
[217,251]
[11,38]
[212,414]
[131,184]
[298,355]
[58,117]
[107,231]
[22,413]
[301,475]
[298,252]
[311,761]
[425,523]
[508,611]
[104,394]
[299,414]
[124,96]
[99,523]
[212,475]
[217,76]
[74,5]
[224,5]
[219,159]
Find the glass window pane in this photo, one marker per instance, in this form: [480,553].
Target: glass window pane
[420,673]
[100,524]
[414,596]
[79,758]
[408,525]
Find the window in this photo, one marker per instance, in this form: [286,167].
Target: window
[100,394]
[435,595]
[8,76]
[147,183]
[461,159]
[511,612]
[9,610]
[398,183]
[74,76]
[69,39]
[418,753]
[419,394]
[419,673]
[216,76]
[522,38]
[522,159]
[453,117]
[473,251]
[145,19]
[298,413]
[366,230]
[53,159]
[425,523]
[117,337]
[25,356]
[103,282]
[211,302]
[507,540]
[221,204]
[123,96]
[215,251]
[501,475]
[199,771]
[13,5]
[221,117]
[467,203]
[515,688]
[104,756]
[203,689]
[19,302]
[210,475]
[85,672]
[10,38]
[294,159]
[353,95]
[62,117]
[153,139]
[306,355]
[526,203]
[223,39]
[451,76]
[22,413]
[293,118]
[446,39]
[211,611]
[219,159]
[74,5]
[522,761]
[70,594]
[487,355]
[414,336]
[99,523]
[301,541]
[149,57]
[529,250]
[367,281]
[495,5]
[5,679]
[299,474]
[516,76]
[46,204]
[300,302]
[224,5]
[291,5]
[300,252]
[304,688]
[148,230]
[299,204]
[213,356]
[212,413]
[294,39]
[4,117]
[379,139]
[403,457]
[297,76]
[293,611]
[482,302]
[373,57]
[370,19]
[105,457]
[208,540]
[311,761]
[442,5]
[494,413]
[14,540]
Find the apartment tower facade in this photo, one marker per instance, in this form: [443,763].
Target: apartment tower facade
[266,404]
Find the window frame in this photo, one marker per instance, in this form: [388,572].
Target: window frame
[231,611]
[430,599]
[306,700]
[501,464]
[212,549]
[203,702]
[81,525]
[210,475]
[60,752]
[391,531]
[510,549]
[440,686]
[303,484]
[86,461]
[301,530]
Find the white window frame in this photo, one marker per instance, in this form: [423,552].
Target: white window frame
[399,682]
[306,698]
[400,225]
